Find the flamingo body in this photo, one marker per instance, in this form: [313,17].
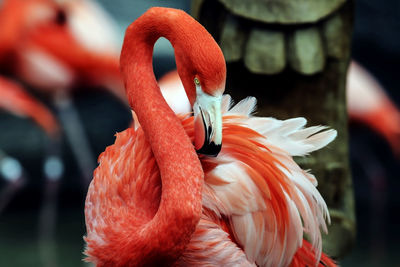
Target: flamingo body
[153,200]
[254,195]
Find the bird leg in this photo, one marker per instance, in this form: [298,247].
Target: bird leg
[53,170]
[75,134]
[12,171]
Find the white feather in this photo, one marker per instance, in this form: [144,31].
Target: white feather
[211,246]
[234,194]
[238,194]
[245,107]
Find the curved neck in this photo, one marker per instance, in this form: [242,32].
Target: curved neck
[182,177]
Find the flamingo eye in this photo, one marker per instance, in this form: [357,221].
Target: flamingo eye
[196,81]
[61,17]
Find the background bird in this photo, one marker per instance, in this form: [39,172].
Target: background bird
[59,52]
[18,102]
[368,103]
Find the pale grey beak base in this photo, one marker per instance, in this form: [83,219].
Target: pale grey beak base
[209,148]
[208,130]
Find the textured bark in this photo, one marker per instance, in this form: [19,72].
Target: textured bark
[311,85]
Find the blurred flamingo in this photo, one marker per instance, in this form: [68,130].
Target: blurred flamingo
[14,174]
[92,26]
[16,18]
[53,60]
[16,100]
[52,52]
[52,56]
[20,23]
[153,200]
[368,103]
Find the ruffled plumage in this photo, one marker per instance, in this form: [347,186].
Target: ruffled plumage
[257,202]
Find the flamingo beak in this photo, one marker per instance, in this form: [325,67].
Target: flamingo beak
[207,123]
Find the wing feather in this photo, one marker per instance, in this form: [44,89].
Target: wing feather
[211,246]
[268,200]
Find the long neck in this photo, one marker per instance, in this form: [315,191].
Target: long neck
[182,177]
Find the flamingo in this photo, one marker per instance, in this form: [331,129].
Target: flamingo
[154,200]
[19,16]
[17,101]
[41,45]
[52,56]
[368,103]
[92,26]
[53,60]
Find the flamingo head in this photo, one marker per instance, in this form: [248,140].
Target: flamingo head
[202,69]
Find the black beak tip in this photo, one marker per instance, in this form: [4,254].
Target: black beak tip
[210,149]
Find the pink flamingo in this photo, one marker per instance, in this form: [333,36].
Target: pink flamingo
[18,19]
[92,26]
[41,45]
[19,16]
[14,174]
[51,56]
[154,200]
[52,49]
[368,103]
[18,102]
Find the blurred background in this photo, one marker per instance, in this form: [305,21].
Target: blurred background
[376,45]
[45,163]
